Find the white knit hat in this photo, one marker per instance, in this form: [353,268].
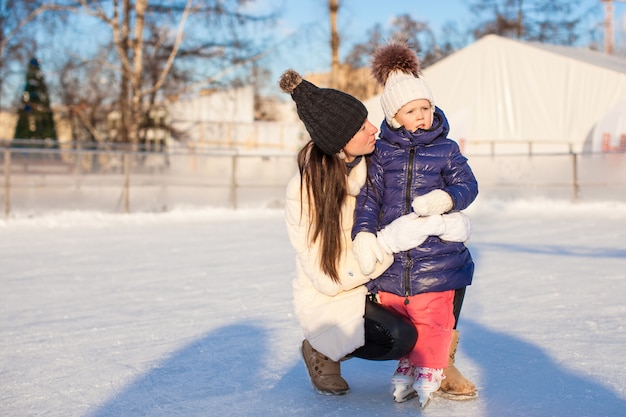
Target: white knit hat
[396,67]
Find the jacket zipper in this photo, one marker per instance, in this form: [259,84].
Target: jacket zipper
[407,192]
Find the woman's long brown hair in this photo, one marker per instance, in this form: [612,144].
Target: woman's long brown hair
[326,187]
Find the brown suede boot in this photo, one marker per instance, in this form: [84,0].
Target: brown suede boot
[325,373]
[455,386]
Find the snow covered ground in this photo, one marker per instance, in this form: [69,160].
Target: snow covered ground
[188,313]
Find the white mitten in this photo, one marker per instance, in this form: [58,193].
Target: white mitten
[409,231]
[367,251]
[434,202]
[458,227]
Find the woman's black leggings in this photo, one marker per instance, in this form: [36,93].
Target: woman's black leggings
[388,335]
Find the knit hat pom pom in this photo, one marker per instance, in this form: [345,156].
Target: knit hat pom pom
[394,57]
[289,81]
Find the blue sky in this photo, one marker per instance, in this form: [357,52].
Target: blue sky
[302,32]
[355,18]
[305,24]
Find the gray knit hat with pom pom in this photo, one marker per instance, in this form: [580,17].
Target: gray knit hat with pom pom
[331,117]
[397,69]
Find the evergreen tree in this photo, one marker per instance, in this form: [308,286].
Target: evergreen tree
[35,119]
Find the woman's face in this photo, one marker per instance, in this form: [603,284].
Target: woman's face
[416,114]
[362,143]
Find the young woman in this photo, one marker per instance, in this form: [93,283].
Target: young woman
[330,298]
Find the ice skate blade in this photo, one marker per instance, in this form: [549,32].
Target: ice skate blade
[424,399]
[403,393]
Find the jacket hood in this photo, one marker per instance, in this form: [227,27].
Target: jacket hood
[403,138]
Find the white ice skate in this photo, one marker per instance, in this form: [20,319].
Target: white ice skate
[402,381]
[427,381]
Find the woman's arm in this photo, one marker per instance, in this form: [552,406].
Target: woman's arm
[297,220]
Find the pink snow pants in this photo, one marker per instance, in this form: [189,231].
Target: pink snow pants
[431,314]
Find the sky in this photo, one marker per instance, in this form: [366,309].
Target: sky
[311,53]
[355,19]
[189,314]
[302,32]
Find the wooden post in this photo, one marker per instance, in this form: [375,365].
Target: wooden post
[7,182]
[575,177]
[233,183]
[126,191]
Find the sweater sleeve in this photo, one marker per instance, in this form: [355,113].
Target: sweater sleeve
[307,253]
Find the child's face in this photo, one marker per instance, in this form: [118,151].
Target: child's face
[416,114]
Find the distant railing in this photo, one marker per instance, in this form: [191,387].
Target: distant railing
[514,147]
[569,176]
[41,180]
[68,179]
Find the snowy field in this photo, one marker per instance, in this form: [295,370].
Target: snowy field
[188,314]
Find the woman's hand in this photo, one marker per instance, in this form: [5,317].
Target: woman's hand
[367,250]
[458,227]
[409,231]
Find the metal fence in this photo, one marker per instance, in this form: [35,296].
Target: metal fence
[568,176]
[126,181]
[43,180]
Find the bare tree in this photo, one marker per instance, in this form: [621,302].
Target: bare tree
[418,35]
[533,20]
[127,23]
[87,95]
[333,9]
[155,53]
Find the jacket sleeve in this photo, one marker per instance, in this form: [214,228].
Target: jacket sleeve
[459,178]
[369,200]
[297,220]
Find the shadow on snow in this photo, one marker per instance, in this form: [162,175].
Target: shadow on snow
[227,373]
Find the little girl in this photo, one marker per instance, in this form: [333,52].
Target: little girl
[415,167]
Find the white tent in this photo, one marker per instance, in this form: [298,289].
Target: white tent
[609,133]
[499,90]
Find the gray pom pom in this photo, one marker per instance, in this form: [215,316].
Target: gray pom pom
[394,57]
[289,81]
